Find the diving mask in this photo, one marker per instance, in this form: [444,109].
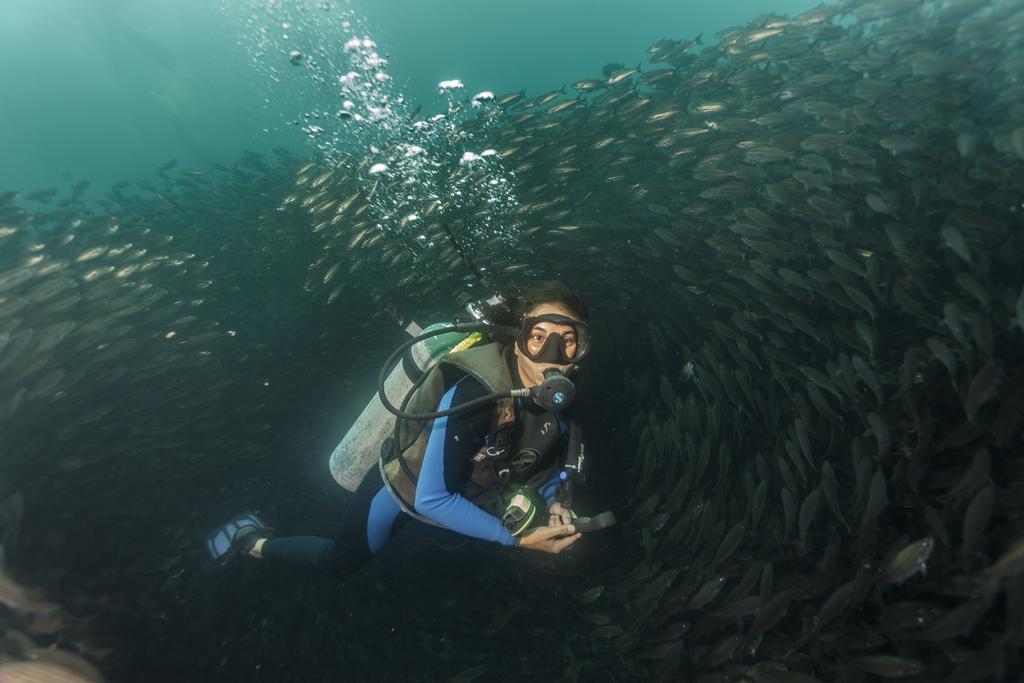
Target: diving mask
[556,348]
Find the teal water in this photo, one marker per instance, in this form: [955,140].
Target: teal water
[107,90]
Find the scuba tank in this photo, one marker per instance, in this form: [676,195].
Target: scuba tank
[360,449]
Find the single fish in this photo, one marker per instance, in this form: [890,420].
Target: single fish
[976,521]
[955,242]
[868,376]
[836,603]
[50,666]
[706,593]
[771,613]
[908,561]
[808,513]
[981,389]
[881,431]
[945,356]
[621,75]
[971,285]
[957,622]
[590,595]
[877,500]
[20,599]
[1011,564]
[977,474]
[889,666]
[728,546]
[1020,309]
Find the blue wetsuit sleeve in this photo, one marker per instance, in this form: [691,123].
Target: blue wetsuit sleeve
[548,488]
[447,508]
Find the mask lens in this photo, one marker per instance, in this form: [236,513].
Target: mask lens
[552,347]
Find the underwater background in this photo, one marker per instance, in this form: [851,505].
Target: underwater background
[798,229]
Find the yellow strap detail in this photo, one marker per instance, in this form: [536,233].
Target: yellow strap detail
[472,339]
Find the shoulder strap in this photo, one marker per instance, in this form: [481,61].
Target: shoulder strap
[503,422]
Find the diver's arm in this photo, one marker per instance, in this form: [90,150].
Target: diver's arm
[448,445]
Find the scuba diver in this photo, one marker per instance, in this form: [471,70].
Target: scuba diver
[496,459]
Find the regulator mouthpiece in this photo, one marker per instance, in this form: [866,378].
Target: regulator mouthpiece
[555,393]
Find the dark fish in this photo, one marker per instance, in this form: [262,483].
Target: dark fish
[590,595]
[942,352]
[881,432]
[858,297]
[835,605]
[976,521]
[953,318]
[937,525]
[767,582]
[597,618]
[607,632]
[724,650]
[889,666]
[977,473]
[706,593]
[803,435]
[1020,309]
[867,375]
[981,333]
[728,546]
[1011,563]
[758,503]
[981,389]
[845,262]
[877,502]
[789,510]
[821,380]
[910,615]
[662,650]
[955,242]
[867,334]
[808,513]
[672,632]
[1015,611]
[784,677]
[746,607]
[956,622]
[830,487]
[771,613]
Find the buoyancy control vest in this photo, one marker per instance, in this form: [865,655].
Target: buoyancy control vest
[535,436]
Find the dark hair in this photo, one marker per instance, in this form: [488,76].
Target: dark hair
[549,292]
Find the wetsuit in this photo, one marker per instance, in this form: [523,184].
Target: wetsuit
[373,516]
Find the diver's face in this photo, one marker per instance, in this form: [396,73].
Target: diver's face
[530,372]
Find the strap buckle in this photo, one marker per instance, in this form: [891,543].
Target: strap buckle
[489,452]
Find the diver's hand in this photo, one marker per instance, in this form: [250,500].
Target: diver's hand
[559,515]
[550,539]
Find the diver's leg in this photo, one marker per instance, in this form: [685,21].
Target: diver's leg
[368,522]
[364,530]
